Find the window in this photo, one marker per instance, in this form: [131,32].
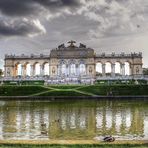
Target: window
[63,68]
[73,69]
[82,69]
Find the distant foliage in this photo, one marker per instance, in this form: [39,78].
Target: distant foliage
[145,71]
[1,72]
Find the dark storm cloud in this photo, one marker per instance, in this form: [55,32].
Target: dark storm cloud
[58,3]
[29,7]
[19,28]
[17,7]
[110,17]
[15,10]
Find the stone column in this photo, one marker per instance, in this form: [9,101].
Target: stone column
[77,69]
[103,69]
[31,70]
[49,70]
[113,70]
[131,69]
[123,69]
[41,70]
[67,69]
[25,71]
[5,71]
[85,73]
[22,70]
[58,70]
[8,72]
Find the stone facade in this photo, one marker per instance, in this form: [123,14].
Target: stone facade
[72,62]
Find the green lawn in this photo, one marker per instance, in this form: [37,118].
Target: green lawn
[65,86]
[73,90]
[61,93]
[117,89]
[20,90]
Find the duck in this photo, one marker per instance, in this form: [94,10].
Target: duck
[44,133]
[58,120]
[43,124]
[108,139]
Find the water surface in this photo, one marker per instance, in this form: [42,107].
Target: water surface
[87,119]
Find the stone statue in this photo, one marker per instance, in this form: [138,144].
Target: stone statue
[72,43]
[53,70]
[82,45]
[90,69]
[137,70]
[61,46]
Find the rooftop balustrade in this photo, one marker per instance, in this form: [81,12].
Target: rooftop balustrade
[112,55]
[23,56]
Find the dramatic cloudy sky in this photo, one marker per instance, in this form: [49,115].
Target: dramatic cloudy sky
[36,26]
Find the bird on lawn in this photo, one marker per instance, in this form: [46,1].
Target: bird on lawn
[108,139]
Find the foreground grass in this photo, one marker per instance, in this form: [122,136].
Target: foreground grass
[74,146]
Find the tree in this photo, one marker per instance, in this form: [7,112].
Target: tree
[145,71]
[1,72]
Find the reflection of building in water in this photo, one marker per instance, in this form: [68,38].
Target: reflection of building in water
[70,122]
[8,116]
[73,63]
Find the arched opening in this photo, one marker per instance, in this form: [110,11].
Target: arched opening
[72,69]
[63,69]
[28,69]
[19,69]
[108,69]
[127,68]
[82,69]
[37,69]
[117,69]
[46,69]
[99,69]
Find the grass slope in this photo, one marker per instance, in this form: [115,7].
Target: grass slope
[61,93]
[117,89]
[20,90]
[72,90]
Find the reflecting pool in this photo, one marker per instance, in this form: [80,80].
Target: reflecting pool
[75,119]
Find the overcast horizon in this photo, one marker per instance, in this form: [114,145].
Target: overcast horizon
[36,26]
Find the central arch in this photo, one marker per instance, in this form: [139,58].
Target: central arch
[73,69]
[63,69]
[82,69]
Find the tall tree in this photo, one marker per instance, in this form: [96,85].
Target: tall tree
[145,71]
[1,72]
